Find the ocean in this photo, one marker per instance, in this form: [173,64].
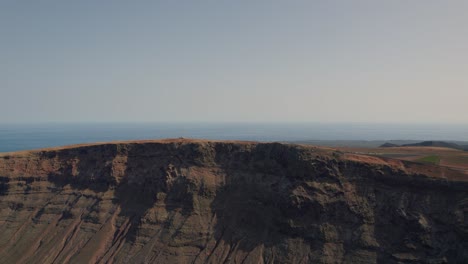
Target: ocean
[14,137]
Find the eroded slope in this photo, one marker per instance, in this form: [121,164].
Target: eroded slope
[180,201]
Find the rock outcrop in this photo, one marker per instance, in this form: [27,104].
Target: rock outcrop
[183,201]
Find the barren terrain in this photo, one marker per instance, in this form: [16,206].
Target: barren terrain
[197,201]
[446,157]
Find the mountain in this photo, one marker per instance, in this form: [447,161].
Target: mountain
[193,201]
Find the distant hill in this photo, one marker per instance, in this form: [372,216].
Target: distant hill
[354,143]
[380,143]
[388,145]
[441,144]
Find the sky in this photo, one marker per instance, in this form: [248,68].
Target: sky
[234,61]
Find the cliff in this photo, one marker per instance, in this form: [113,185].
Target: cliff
[187,201]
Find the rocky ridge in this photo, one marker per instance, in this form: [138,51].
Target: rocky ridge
[192,201]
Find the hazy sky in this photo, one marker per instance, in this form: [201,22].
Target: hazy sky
[306,61]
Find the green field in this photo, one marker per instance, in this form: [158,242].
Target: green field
[430,159]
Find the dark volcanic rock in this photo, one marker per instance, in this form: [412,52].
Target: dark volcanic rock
[181,201]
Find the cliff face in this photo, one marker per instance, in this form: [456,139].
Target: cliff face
[185,201]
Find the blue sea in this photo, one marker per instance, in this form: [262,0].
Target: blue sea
[14,137]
